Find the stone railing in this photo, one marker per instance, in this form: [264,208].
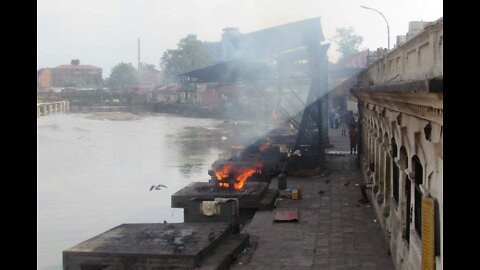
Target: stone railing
[52,107]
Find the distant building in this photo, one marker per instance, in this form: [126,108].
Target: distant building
[342,78]
[44,78]
[414,27]
[401,39]
[222,50]
[149,76]
[76,75]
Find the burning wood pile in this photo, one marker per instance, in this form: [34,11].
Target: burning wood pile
[233,175]
[256,161]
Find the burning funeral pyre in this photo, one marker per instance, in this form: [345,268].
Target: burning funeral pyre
[232,175]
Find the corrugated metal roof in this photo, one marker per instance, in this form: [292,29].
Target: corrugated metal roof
[274,40]
[230,71]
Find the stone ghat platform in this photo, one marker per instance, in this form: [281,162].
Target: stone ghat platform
[158,246]
[249,196]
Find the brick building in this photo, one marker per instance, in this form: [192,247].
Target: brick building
[44,78]
[76,75]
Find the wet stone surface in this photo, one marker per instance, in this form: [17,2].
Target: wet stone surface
[334,231]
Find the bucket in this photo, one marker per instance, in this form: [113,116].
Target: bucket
[282,181]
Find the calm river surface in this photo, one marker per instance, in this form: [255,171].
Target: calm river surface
[93,175]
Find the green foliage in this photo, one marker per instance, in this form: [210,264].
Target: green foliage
[123,77]
[189,55]
[348,42]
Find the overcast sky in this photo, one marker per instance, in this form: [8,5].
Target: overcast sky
[105,32]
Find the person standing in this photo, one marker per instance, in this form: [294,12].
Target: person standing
[331,117]
[343,123]
[337,119]
[353,139]
[351,119]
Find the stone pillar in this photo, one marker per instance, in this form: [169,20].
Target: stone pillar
[39,110]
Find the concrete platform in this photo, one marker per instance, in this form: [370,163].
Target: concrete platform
[148,246]
[226,212]
[249,196]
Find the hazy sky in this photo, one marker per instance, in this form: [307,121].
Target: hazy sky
[105,32]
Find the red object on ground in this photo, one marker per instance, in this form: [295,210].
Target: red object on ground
[286,216]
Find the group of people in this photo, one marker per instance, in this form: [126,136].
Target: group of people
[335,119]
[344,120]
[350,120]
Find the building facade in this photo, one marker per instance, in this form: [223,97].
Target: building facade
[222,50]
[149,77]
[76,75]
[400,104]
[401,153]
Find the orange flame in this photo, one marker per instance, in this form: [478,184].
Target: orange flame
[241,173]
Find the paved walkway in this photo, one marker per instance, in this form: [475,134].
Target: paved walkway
[334,231]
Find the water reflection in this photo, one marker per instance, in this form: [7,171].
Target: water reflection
[194,144]
[94,174]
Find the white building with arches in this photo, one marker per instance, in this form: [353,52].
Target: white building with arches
[401,150]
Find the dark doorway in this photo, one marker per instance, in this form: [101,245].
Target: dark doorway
[408,189]
[418,170]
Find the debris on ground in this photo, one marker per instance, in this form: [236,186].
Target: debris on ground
[290,215]
[291,193]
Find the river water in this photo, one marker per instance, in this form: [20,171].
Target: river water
[94,174]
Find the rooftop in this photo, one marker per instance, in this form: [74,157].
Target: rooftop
[76,67]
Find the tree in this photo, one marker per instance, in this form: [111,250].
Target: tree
[123,77]
[189,55]
[348,42]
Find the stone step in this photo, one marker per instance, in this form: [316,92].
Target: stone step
[225,253]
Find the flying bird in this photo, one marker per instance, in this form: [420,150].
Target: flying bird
[157,187]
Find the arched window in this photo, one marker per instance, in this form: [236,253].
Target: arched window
[408,194]
[395,173]
[418,179]
[387,171]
